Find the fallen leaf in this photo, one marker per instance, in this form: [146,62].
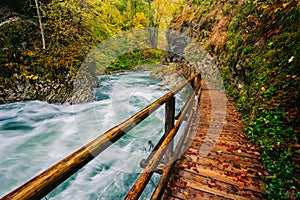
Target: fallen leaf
[259,173]
[241,187]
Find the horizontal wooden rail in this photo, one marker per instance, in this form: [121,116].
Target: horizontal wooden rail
[45,182]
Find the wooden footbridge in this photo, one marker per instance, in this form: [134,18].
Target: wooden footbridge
[231,169]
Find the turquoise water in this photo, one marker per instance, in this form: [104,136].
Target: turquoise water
[34,135]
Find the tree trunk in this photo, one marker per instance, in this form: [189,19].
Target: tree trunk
[40,22]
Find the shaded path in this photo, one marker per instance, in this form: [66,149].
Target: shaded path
[231,170]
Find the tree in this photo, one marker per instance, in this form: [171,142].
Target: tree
[41,25]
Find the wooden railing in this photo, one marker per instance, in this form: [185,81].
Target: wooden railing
[163,153]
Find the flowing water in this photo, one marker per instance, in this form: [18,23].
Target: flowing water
[34,135]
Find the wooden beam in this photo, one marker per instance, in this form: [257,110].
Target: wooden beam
[169,123]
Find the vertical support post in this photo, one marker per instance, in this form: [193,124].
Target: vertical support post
[169,122]
[197,83]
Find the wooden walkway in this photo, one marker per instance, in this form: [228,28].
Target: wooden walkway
[231,169]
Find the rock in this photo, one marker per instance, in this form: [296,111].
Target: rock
[168,75]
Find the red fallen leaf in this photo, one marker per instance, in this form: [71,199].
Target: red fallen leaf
[218,186]
[237,166]
[227,173]
[201,193]
[240,187]
[241,180]
[256,194]
[246,194]
[244,173]
[213,181]
[225,165]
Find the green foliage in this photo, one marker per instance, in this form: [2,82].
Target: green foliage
[71,29]
[134,60]
[264,39]
[274,135]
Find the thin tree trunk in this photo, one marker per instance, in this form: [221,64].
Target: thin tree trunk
[40,22]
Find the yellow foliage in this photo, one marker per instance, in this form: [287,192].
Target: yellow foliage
[33,77]
[164,11]
[140,20]
[8,64]
[29,53]
[285,4]
[103,18]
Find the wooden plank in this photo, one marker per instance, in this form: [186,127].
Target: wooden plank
[192,194]
[233,150]
[213,172]
[228,135]
[222,164]
[217,184]
[179,188]
[217,192]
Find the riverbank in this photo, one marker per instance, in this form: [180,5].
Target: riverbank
[172,74]
[79,90]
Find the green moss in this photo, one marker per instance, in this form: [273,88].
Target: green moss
[133,60]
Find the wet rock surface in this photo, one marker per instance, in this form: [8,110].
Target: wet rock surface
[73,91]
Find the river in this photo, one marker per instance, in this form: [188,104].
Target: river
[34,135]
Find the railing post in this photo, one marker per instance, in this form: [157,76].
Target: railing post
[197,83]
[169,123]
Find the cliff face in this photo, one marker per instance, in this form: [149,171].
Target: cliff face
[257,45]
